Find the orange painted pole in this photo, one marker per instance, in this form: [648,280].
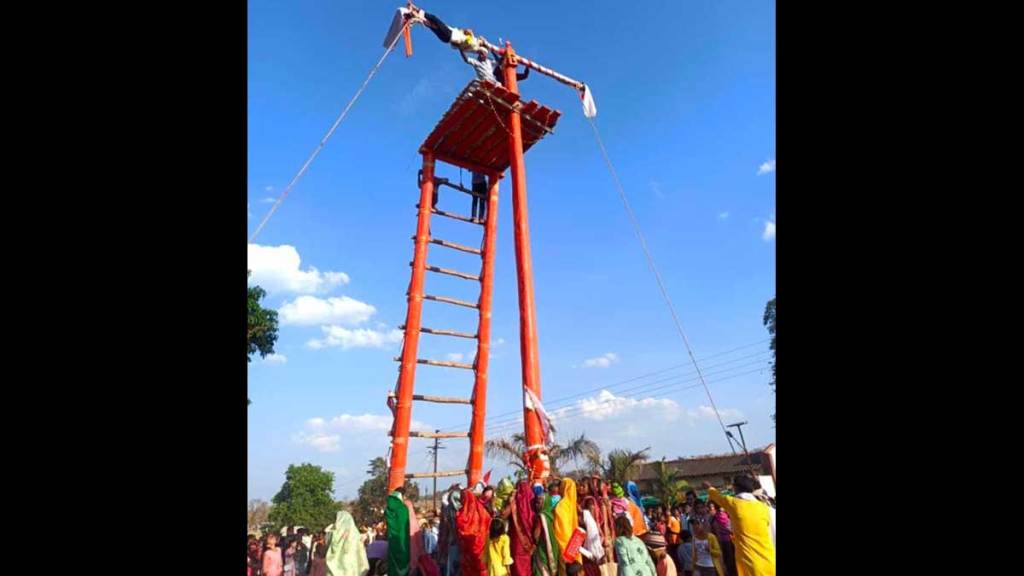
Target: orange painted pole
[524,271]
[408,40]
[483,346]
[403,407]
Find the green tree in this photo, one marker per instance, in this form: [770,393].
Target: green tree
[369,506]
[769,322]
[620,465]
[513,448]
[262,329]
[668,485]
[306,498]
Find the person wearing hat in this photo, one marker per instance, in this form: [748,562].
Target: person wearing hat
[656,545]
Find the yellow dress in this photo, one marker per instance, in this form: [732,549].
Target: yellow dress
[566,519]
[751,536]
[499,556]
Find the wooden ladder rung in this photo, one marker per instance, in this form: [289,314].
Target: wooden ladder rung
[442,363]
[440,332]
[452,245]
[455,246]
[458,217]
[462,189]
[441,399]
[448,300]
[455,273]
[424,434]
[436,474]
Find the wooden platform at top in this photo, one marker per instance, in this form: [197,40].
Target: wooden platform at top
[473,133]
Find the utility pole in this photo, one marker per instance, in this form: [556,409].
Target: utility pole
[743,442]
[433,449]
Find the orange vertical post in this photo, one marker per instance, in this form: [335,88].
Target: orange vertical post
[483,345]
[403,407]
[524,271]
[407,32]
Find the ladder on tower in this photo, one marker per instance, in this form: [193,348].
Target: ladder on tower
[474,136]
[413,326]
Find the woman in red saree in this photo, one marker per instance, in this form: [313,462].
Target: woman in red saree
[520,529]
[472,522]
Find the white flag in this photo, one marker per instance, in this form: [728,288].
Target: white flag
[531,402]
[589,108]
[396,26]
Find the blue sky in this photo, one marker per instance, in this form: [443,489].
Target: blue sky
[685,94]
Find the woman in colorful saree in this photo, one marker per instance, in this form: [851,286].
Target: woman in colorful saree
[346,555]
[473,523]
[521,529]
[546,556]
[396,514]
[566,515]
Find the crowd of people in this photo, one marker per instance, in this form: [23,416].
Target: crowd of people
[584,527]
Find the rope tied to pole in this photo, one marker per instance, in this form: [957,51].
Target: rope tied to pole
[657,275]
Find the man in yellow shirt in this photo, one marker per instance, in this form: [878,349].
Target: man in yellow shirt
[755,552]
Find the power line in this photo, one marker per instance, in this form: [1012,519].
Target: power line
[673,380]
[323,141]
[577,414]
[572,411]
[555,401]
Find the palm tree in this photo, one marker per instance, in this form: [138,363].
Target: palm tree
[621,465]
[513,448]
[667,483]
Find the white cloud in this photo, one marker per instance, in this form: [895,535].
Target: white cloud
[723,215]
[635,423]
[268,200]
[602,361]
[709,412]
[325,436]
[766,167]
[455,357]
[356,338]
[310,310]
[275,359]
[277,269]
[361,422]
[320,441]
[268,188]
[769,231]
[607,405]
[499,342]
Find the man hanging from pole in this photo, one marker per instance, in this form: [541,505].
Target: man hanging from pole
[486,68]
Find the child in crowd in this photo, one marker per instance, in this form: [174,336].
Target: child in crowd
[498,552]
[273,565]
[685,552]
